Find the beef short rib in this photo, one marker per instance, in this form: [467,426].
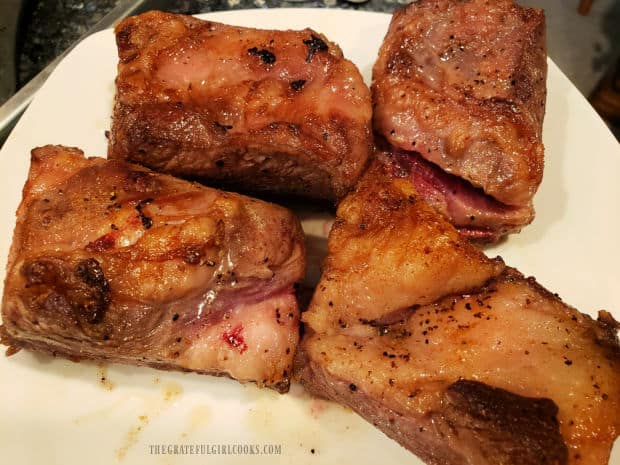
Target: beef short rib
[462,84]
[458,357]
[111,261]
[279,112]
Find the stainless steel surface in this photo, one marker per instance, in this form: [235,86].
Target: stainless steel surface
[12,109]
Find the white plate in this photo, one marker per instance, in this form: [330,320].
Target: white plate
[55,411]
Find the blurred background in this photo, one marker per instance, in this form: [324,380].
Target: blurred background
[583,36]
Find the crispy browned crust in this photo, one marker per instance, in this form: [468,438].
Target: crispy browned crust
[473,421]
[270,132]
[385,235]
[507,428]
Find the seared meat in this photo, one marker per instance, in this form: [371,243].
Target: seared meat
[550,360]
[462,83]
[274,111]
[494,370]
[112,261]
[386,238]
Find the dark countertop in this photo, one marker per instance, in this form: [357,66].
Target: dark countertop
[50,26]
